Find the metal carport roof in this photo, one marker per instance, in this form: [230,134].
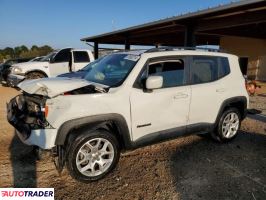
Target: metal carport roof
[244,18]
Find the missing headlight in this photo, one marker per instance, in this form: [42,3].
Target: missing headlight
[20,101]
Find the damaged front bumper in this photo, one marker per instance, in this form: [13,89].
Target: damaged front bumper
[43,138]
[14,80]
[31,125]
[14,118]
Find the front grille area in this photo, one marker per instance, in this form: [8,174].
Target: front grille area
[26,113]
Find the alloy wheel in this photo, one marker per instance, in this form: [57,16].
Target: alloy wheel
[230,125]
[95,157]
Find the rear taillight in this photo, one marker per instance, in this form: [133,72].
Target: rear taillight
[46,110]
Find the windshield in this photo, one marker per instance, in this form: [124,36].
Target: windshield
[112,69]
[91,65]
[36,59]
[48,57]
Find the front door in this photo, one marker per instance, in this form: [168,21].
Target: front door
[163,109]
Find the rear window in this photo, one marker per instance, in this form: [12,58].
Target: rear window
[224,67]
[206,69]
[81,56]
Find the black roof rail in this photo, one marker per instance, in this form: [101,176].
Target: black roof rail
[159,49]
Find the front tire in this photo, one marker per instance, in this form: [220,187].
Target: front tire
[34,75]
[228,126]
[93,155]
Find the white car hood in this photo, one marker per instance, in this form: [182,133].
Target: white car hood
[31,64]
[52,87]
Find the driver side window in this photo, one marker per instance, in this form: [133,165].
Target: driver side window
[62,56]
[172,71]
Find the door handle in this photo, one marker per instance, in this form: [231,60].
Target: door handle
[180,96]
[220,90]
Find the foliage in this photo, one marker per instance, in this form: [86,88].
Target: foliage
[24,52]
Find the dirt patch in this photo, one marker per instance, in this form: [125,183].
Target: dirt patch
[186,168]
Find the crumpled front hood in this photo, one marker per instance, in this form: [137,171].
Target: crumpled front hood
[52,87]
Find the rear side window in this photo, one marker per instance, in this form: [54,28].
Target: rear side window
[81,56]
[206,69]
[224,67]
[172,72]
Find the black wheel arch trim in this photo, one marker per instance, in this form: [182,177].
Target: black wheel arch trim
[230,103]
[36,70]
[92,123]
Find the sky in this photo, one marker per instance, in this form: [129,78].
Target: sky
[62,23]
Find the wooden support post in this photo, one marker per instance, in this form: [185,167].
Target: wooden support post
[96,50]
[190,39]
[127,44]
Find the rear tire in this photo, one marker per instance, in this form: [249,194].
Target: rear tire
[228,126]
[93,155]
[34,75]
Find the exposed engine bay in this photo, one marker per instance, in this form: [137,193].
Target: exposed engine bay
[89,89]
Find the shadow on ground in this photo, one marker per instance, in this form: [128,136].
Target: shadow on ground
[258,117]
[23,163]
[186,168]
[236,170]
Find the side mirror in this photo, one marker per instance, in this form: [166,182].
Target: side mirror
[51,60]
[154,82]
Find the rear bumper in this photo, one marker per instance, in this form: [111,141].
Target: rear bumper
[14,80]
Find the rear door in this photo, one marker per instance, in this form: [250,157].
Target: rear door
[209,88]
[80,59]
[61,63]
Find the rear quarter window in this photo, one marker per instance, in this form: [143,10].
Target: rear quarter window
[224,68]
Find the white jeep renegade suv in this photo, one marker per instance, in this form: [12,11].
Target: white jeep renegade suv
[128,100]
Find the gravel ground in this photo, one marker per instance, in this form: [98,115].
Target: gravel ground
[186,168]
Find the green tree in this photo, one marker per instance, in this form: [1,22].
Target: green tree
[24,48]
[23,52]
[1,58]
[34,48]
[44,50]
[17,51]
[9,51]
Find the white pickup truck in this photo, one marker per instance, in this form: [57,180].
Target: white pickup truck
[55,63]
